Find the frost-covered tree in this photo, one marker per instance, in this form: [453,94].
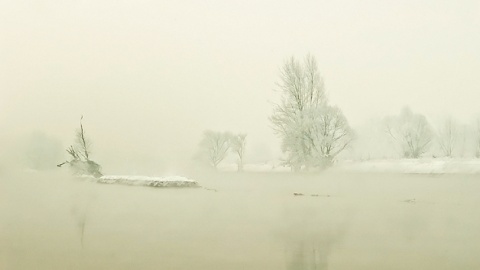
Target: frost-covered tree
[327,134]
[237,145]
[411,132]
[448,136]
[214,147]
[311,131]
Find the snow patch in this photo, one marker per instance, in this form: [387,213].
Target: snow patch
[151,181]
[413,166]
[259,167]
[408,166]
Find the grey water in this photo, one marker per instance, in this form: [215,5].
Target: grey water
[242,221]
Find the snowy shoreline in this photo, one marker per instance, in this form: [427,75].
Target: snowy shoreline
[412,166]
[401,166]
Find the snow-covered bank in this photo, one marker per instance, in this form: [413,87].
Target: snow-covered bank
[272,166]
[413,166]
[420,166]
[137,180]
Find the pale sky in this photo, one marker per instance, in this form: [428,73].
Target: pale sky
[150,76]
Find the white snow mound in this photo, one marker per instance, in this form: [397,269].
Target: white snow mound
[138,180]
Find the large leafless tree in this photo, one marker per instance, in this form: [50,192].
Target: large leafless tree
[311,131]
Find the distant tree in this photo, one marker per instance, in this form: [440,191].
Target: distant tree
[448,136]
[42,151]
[237,145]
[411,132]
[476,137]
[214,147]
[80,152]
[312,132]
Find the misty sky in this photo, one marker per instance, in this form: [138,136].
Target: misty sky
[150,76]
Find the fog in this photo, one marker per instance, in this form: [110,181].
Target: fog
[149,77]
[251,221]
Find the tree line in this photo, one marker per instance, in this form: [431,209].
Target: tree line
[313,133]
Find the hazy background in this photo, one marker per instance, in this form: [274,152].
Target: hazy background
[150,76]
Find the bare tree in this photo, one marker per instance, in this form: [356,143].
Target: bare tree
[237,144]
[83,144]
[307,126]
[214,147]
[448,136]
[411,132]
[80,153]
[73,153]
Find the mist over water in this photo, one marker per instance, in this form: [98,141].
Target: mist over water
[245,221]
